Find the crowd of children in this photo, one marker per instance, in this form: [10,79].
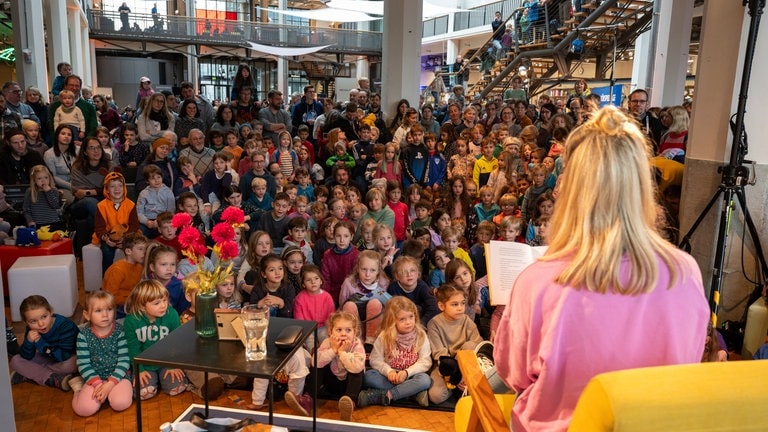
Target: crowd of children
[382,244]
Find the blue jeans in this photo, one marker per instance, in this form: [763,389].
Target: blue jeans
[107,256]
[411,386]
[498,49]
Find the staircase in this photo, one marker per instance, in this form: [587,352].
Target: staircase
[313,70]
[596,26]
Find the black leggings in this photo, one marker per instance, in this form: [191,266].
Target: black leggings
[350,386]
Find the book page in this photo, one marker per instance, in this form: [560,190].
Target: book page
[505,261]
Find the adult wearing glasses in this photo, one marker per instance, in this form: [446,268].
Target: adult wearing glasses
[307,110]
[650,125]
[12,92]
[74,84]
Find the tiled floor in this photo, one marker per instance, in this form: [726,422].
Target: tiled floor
[39,408]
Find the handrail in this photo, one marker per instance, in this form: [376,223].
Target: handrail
[561,47]
[230,32]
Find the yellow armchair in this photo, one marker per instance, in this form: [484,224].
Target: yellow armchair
[731,396]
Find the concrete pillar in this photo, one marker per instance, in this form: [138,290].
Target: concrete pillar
[89,53]
[282,62]
[75,43]
[28,34]
[671,57]
[94,77]
[402,52]
[193,74]
[451,50]
[58,36]
[720,66]
[641,78]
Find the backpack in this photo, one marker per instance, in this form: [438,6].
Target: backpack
[577,46]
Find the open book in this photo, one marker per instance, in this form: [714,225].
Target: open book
[505,261]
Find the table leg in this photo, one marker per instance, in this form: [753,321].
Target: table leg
[205,396]
[314,391]
[271,398]
[137,386]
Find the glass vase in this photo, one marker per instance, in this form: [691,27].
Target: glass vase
[205,319]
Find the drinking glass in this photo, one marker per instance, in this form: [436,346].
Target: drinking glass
[255,321]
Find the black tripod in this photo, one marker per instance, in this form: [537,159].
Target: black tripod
[734,176]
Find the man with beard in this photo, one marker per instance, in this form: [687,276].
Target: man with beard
[347,122]
[15,160]
[74,84]
[650,125]
[375,109]
[274,118]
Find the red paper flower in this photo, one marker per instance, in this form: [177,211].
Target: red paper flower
[228,250]
[181,220]
[200,249]
[189,236]
[222,232]
[233,215]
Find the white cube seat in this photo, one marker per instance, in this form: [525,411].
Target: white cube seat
[92,258]
[53,277]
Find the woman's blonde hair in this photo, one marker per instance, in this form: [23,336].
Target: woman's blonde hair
[144,292]
[609,215]
[388,331]
[680,119]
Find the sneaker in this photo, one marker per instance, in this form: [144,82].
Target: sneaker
[346,407]
[214,387]
[147,392]
[484,353]
[301,405]
[76,383]
[372,397]
[422,398]
[59,382]
[17,378]
[256,407]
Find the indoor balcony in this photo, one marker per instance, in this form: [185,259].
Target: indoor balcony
[176,29]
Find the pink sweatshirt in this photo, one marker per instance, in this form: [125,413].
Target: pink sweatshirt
[552,339]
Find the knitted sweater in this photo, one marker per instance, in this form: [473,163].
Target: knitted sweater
[58,343]
[447,336]
[350,361]
[313,307]
[102,358]
[336,266]
[421,296]
[45,210]
[416,360]
[120,278]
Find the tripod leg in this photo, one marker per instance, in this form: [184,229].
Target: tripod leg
[717,270]
[685,243]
